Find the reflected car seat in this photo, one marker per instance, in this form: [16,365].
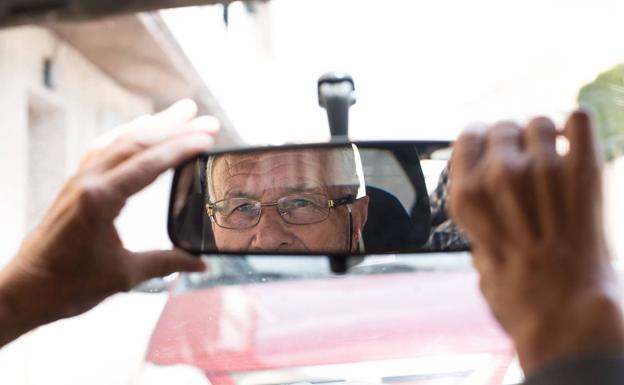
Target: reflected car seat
[389,226]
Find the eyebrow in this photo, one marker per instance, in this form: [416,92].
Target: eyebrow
[303,188]
[299,188]
[232,193]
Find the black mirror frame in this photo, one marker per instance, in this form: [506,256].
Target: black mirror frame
[410,154]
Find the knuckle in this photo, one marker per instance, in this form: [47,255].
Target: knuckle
[541,132]
[130,144]
[505,125]
[127,276]
[89,190]
[503,134]
[162,269]
[541,123]
[504,129]
[89,158]
[468,138]
[507,170]
[463,193]
[125,283]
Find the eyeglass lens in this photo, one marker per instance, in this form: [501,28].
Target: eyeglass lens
[240,213]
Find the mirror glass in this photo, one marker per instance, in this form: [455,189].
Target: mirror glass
[338,199]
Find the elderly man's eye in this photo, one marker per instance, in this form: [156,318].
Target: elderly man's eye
[247,207]
[302,203]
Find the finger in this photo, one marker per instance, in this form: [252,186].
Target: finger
[163,123]
[158,132]
[468,203]
[106,139]
[474,218]
[486,264]
[153,264]
[506,180]
[144,126]
[207,123]
[582,167]
[184,109]
[130,146]
[583,157]
[140,170]
[180,112]
[463,188]
[504,138]
[467,151]
[125,140]
[540,139]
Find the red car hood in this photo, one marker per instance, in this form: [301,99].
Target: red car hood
[329,321]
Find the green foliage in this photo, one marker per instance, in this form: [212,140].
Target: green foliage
[604,97]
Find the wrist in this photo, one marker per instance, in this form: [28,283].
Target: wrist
[592,324]
[11,324]
[24,302]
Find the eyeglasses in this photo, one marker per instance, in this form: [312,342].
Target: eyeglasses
[297,209]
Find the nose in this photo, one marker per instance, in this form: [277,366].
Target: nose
[271,233]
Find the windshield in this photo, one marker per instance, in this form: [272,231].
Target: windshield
[422,71]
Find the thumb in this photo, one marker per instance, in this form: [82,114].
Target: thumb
[160,263]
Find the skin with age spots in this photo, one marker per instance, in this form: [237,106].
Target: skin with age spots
[268,176]
[535,221]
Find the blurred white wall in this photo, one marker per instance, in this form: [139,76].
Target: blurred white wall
[43,134]
[43,131]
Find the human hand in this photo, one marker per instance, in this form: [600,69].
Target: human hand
[535,221]
[74,258]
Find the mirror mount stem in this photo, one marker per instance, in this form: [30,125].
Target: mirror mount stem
[336,93]
[338,265]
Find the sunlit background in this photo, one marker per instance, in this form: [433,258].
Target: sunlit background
[423,70]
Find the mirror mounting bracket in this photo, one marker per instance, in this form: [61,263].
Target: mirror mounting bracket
[336,93]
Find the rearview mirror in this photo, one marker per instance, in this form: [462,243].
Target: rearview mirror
[343,198]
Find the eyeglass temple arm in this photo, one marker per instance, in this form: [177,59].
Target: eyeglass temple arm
[341,201]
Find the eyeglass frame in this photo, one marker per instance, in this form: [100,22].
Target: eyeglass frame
[331,204]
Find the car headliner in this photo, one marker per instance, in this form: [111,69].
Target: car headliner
[14,12]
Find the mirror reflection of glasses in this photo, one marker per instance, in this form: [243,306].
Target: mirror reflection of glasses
[296,209]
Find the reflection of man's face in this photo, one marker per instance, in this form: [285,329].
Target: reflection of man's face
[271,175]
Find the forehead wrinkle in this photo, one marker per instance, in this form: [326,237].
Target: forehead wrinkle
[247,183]
[257,164]
[218,170]
[269,163]
[279,158]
